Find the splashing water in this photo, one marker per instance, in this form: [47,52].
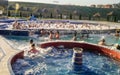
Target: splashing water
[58,61]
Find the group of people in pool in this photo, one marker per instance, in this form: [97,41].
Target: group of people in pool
[83,36]
[102,41]
[16,25]
[115,46]
[59,25]
[56,35]
[51,34]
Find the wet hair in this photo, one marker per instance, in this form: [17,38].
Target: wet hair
[33,45]
[58,32]
[51,32]
[103,40]
[117,31]
[118,47]
[31,41]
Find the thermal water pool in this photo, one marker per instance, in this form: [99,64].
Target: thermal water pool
[59,61]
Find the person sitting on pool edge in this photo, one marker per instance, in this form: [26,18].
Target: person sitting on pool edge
[33,50]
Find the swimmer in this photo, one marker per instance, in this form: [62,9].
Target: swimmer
[31,41]
[57,36]
[75,36]
[50,35]
[117,34]
[33,50]
[116,46]
[102,42]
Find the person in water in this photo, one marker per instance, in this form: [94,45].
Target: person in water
[31,41]
[51,35]
[117,34]
[116,46]
[33,49]
[57,35]
[74,36]
[103,42]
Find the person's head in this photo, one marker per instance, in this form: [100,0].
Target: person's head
[31,41]
[33,45]
[51,32]
[18,23]
[57,32]
[117,31]
[103,40]
[117,46]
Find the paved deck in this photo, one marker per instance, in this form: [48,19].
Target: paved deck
[6,52]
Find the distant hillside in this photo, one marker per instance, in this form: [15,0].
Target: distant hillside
[55,11]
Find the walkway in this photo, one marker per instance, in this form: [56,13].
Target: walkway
[6,52]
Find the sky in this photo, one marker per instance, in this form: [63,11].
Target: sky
[73,2]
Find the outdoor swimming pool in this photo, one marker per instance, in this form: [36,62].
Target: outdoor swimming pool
[20,41]
[59,62]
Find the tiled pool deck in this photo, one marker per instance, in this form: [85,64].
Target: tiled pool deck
[6,52]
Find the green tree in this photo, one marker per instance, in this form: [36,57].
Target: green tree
[70,16]
[20,14]
[31,14]
[108,18]
[80,16]
[40,15]
[61,16]
[115,19]
[9,14]
[51,16]
[89,17]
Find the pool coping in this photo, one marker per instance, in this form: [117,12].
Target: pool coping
[4,69]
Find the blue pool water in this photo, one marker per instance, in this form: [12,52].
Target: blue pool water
[20,41]
[59,62]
